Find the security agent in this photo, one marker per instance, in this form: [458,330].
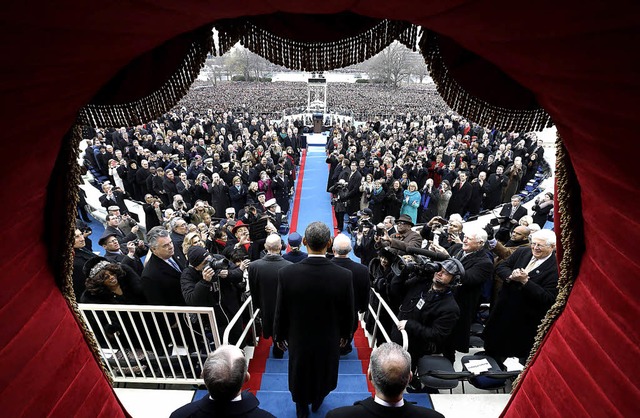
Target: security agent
[428,311]
[224,373]
[389,372]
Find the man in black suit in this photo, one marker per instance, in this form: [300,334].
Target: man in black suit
[389,372]
[495,185]
[263,281]
[478,270]
[113,228]
[460,195]
[161,275]
[113,196]
[224,373]
[80,256]
[509,217]
[341,250]
[530,288]
[280,185]
[314,317]
[354,180]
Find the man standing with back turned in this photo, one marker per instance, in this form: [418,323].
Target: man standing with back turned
[390,372]
[314,317]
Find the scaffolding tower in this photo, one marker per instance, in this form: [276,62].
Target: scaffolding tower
[317,93]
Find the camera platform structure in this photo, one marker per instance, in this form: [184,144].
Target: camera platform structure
[317,93]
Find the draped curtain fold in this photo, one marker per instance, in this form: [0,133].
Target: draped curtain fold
[157,80]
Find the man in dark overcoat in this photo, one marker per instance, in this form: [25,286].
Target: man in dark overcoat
[314,316]
[389,372]
[263,281]
[361,286]
[224,373]
[478,269]
[354,180]
[510,215]
[530,288]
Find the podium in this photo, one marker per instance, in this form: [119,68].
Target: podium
[317,123]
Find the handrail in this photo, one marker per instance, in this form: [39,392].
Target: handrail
[254,315]
[394,318]
[151,343]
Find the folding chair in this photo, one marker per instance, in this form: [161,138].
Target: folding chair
[436,372]
[493,379]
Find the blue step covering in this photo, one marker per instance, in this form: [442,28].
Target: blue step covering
[346,382]
[279,403]
[353,355]
[345,367]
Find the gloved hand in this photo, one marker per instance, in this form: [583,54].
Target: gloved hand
[490,231]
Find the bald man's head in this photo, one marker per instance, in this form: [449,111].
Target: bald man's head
[341,245]
[520,233]
[273,244]
[224,373]
[390,371]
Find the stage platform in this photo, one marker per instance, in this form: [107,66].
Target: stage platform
[317,139]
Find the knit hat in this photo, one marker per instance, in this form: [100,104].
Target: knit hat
[196,255]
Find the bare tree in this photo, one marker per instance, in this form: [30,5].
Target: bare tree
[241,61]
[238,62]
[393,65]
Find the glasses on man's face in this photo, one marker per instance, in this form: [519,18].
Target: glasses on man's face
[538,245]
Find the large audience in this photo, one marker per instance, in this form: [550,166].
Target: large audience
[216,176]
[361,101]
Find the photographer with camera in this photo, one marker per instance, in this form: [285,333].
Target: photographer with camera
[196,215]
[180,207]
[339,201]
[127,223]
[212,281]
[428,311]
[477,278]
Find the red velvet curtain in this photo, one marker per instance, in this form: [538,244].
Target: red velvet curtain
[577,58]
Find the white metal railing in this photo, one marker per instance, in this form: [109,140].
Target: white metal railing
[153,344]
[378,324]
[249,326]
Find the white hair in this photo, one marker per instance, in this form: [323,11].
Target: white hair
[455,217]
[547,235]
[478,233]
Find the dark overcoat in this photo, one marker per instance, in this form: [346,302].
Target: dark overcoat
[314,310]
[247,407]
[360,285]
[367,408]
[263,281]
[478,269]
[519,309]
[161,283]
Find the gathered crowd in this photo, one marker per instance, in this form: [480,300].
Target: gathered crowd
[361,101]
[216,175]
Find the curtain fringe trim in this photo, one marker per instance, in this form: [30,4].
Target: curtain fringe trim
[71,149]
[315,56]
[571,239]
[471,107]
[152,106]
